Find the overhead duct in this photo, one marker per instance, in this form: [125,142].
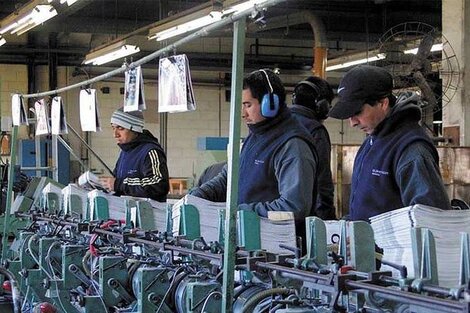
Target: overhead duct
[319,34]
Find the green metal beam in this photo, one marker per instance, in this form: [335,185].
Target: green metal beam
[11,176]
[230,243]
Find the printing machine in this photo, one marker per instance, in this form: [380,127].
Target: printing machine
[60,262]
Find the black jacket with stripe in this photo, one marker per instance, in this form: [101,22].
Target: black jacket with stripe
[141,170]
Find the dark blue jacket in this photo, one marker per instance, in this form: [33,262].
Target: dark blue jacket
[325,208]
[397,166]
[258,156]
[141,170]
[278,166]
[210,172]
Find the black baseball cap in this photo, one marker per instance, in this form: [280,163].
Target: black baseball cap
[360,85]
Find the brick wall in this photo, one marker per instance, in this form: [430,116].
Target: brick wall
[184,160]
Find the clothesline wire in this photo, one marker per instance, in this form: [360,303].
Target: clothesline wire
[125,67]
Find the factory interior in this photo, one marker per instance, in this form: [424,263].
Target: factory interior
[90,89]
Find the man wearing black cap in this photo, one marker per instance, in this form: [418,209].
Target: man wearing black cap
[310,105]
[278,161]
[141,169]
[397,165]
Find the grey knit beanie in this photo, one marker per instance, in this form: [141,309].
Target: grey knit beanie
[129,120]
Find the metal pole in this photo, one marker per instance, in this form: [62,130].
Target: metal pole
[70,150]
[37,151]
[417,299]
[230,243]
[200,33]
[307,276]
[55,159]
[11,176]
[89,148]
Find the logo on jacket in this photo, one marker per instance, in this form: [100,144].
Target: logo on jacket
[130,172]
[379,173]
[258,162]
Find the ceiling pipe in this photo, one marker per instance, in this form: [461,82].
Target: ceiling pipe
[320,49]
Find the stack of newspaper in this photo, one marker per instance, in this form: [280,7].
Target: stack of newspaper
[116,205]
[73,189]
[392,232]
[90,181]
[54,189]
[273,233]
[208,216]
[159,214]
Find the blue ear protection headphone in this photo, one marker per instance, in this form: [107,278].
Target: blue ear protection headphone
[321,106]
[270,101]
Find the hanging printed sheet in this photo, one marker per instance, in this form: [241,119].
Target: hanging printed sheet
[134,98]
[89,113]
[58,119]
[175,90]
[18,111]
[42,118]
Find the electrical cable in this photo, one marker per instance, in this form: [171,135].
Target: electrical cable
[35,259]
[15,292]
[252,302]
[25,300]
[85,263]
[173,279]
[48,259]
[207,299]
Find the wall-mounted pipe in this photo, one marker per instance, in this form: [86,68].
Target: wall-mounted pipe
[320,49]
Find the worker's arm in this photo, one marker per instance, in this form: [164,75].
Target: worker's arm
[419,179]
[215,189]
[295,169]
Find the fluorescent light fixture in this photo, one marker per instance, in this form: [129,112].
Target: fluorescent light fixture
[2,41]
[69,2]
[24,22]
[110,53]
[212,17]
[347,62]
[243,6]
[436,47]
[197,19]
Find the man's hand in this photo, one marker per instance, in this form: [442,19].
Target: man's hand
[107,182]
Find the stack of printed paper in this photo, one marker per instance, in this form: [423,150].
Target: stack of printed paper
[273,233]
[159,214]
[392,231]
[90,181]
[54,189]
[208,216]
[67,192]
[116,205]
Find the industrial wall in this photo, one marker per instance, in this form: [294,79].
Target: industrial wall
[211,119]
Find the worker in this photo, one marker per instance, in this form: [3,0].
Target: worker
[397,165]
[141,170]
[311,101]
[278,162]
[210,172]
